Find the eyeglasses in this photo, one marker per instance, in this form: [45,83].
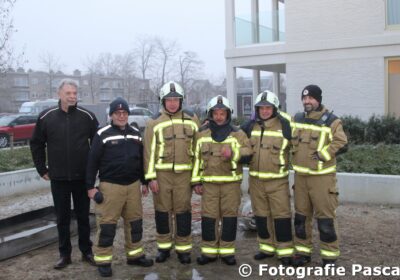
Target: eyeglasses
[121,113]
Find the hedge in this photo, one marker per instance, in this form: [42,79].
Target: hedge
[375,159]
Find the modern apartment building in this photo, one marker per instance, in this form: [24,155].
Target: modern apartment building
[351,49]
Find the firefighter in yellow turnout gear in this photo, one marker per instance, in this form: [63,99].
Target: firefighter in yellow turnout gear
[317,138]
[269,134]
[168,161]
[217,174]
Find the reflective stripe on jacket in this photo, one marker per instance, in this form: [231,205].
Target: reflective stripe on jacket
[270,150]
[168,143]
[211,166]
[310,139]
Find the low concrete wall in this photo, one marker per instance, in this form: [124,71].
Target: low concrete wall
[21,181]
[353,187]
[360,188]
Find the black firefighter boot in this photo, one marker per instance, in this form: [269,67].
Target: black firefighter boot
[203,259]
[300,260]
[162,256]
[105,270]
[184,258]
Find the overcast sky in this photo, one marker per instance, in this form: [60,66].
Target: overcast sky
[75,29]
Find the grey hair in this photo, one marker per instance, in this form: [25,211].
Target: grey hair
[67,82]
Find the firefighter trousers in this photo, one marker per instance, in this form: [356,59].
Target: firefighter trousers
[219,206]
[316,196]
[270,200]
[173,214]
[119,201]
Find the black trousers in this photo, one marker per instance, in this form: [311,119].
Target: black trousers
[62,191]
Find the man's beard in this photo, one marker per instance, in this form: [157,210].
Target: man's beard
[308,108]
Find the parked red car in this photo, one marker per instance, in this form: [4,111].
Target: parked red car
[20,126]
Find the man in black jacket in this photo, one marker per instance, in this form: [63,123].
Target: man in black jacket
[117,153]
[64,133]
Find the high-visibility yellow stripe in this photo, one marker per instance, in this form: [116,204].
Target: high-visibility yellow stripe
[221,178]
[306,170]
[267,133]
[198,176]
[225,251]
[158,131]
[135,252]
[285,252]
[303,249]
[166,245]
[183,247]
[209,250]
[327,253]
[282,170]
[98,258]
[268,175]
[312,127]
[267,248]
[167,166]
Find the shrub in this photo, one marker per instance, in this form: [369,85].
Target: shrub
[378,129]
[18,158]
[374,159]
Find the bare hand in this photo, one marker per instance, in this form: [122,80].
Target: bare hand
[145,190]
[92,192]
[198,189]
[226,152]
[46,177]
[154,186]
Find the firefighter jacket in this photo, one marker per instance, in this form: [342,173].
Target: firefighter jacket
[168,142]
[317,138]
[210,165]
[270,141]
[117,155]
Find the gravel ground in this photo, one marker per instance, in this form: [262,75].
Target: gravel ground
[370,236]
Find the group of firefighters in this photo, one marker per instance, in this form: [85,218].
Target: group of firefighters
[178,156]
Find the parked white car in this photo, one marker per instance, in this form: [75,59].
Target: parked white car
[139,117]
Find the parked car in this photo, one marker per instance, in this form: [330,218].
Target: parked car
[139,117]
[19,126]
[35,107]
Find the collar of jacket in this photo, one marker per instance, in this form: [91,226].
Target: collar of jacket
[70,108]
[220,132]
[164,111]
[126,128]
[268,123]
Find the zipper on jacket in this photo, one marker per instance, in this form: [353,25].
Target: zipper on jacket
[68,148]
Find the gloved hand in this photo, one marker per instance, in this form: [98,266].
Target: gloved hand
[98,197]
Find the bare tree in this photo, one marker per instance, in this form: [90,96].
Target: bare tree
[126,70]
[93,70]
[144,51]
[166,51]
[52,65]
[108,64]
[8,57]
[190,68]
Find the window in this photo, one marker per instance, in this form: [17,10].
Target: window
[21,81]
[259,21]
[393,86]
[393,13]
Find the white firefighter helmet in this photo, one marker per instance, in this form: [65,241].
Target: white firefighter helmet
[219,102]
[171,89]
[267,98]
